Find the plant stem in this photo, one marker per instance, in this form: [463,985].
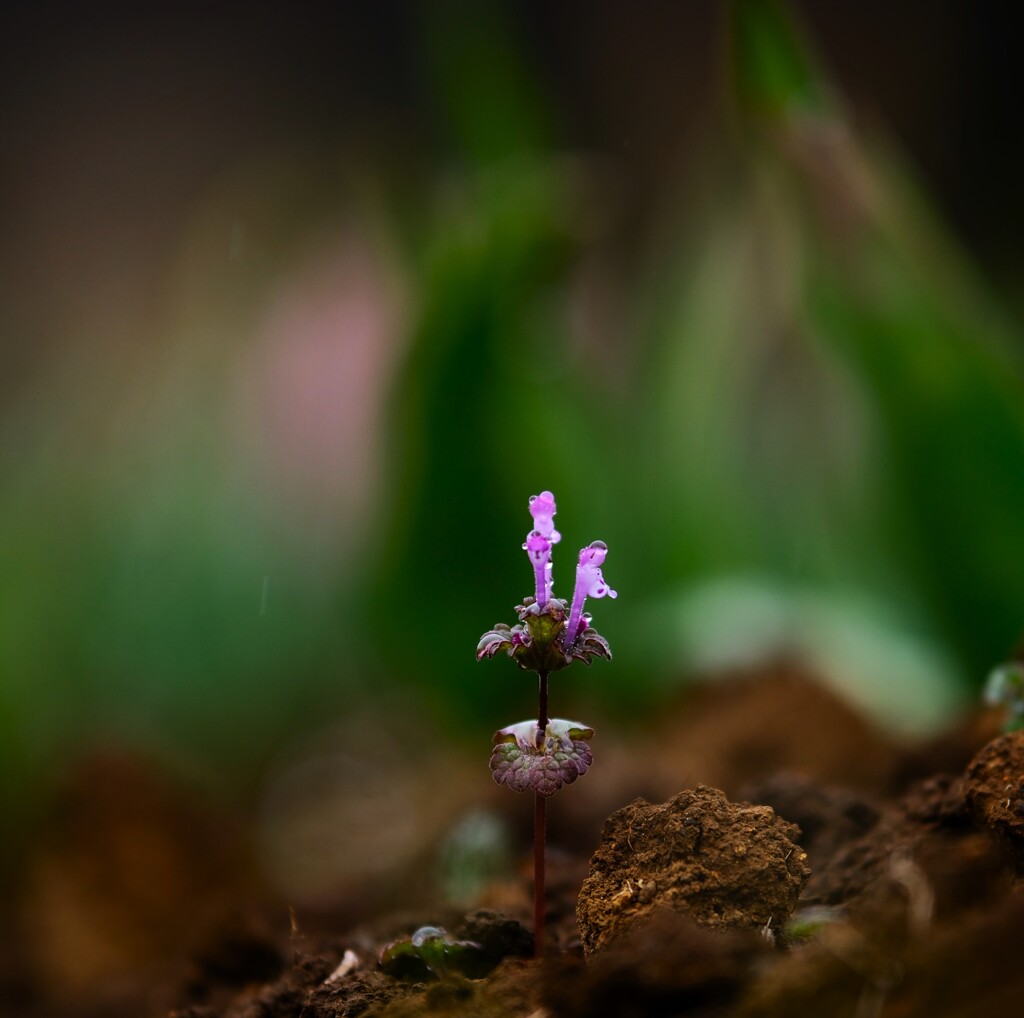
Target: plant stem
[539,825]
[538,875]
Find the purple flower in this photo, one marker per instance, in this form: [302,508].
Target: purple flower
[539,541]
[589,583]
[538,547]
[542,508]
[549,636]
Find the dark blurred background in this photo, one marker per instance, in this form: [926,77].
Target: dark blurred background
[300,303]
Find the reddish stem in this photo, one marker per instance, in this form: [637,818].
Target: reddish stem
[539,825]
[538,876]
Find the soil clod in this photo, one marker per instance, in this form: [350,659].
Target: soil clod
[724,864]
[995,788]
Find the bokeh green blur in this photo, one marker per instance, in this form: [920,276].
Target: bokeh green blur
[272,417]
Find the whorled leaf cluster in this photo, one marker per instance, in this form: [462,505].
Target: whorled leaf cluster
[524,762]
[537,642]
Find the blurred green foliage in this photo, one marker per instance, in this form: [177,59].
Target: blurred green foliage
[812,387]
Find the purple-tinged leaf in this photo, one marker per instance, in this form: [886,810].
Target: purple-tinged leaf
[523,765]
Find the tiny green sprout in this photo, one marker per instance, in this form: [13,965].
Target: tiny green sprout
[808,923]
[542,755]
[430,951]
[1005,688]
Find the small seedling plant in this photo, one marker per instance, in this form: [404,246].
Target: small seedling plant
[542,755]
[1005,688]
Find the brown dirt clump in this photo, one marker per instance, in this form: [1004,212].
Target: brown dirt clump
[725,864]
[829,819]
[667,965]
[995,788]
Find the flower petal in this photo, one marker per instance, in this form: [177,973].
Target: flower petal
[543,509]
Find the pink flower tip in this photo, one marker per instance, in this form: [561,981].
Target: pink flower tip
[588,572]
[543,509]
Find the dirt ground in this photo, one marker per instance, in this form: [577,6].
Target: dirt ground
[778,856]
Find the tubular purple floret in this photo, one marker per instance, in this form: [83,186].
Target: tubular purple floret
[538,547]
[552,632]
[589,583]
[543,509]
